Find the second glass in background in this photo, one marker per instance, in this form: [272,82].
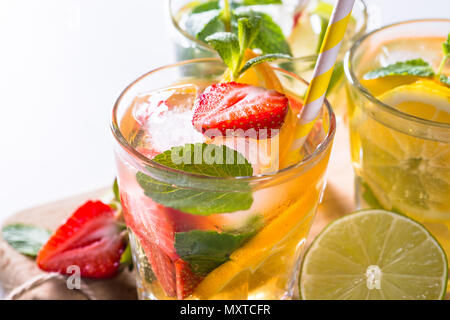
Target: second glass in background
[303,24]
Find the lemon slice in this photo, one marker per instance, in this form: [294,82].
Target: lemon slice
[261,75]
[264,264]
[424,99]
[405,173]
[373,255]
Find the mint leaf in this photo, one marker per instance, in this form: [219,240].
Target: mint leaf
[126,258]
[199,159]
[248,30]
[207,6]
[270,38]
[445,79]
[416,67]
[203,24]
[230,47]
[26,239]
[206,250]
[116,190]
[260,2]
[264,58]
[227,45]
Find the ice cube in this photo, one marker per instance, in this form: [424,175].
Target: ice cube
[404,50]
[166,118]
[261,153]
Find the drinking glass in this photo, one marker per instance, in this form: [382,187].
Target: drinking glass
[401,161]
[271,232]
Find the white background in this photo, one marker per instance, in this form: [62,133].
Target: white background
[62,65]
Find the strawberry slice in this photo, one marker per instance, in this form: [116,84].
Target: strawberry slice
[90,239]
[155,225]
[186,279]
[162,267]
[141,222]
[232,105]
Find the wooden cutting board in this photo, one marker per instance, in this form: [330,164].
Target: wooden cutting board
[16,269]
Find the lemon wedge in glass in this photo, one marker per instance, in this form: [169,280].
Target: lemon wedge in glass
[407,173]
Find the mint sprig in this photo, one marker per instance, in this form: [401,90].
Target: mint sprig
[206,250]
[227,46]
[193,199]
[24,238]
[223,16]
[270,38]
[260,59]
[416,67]
[231,48]
[205,23]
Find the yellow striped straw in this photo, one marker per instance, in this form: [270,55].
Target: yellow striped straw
[316,91]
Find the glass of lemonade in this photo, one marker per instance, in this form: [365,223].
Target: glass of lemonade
[400,122]
[303,24]
[200,236]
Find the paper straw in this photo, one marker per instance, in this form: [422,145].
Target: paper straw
[315,94]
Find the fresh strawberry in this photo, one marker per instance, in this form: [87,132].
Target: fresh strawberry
[234,106]
[150,221]
[90,239]
[140,217]
[162,267]
[155,225]
[186,279]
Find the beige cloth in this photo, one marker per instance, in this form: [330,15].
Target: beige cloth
[16,269]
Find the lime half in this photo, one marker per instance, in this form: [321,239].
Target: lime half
[374,255]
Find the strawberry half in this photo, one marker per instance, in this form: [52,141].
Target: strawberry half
[186,279]
[90,239]
[155,226]
[232,105]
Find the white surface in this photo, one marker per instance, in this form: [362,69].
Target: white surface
[62,65]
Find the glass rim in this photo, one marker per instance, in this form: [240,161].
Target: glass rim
[360,32]
[318,151]
[354,81]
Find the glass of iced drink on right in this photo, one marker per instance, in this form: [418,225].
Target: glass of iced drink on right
[399,116]
[202,229]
